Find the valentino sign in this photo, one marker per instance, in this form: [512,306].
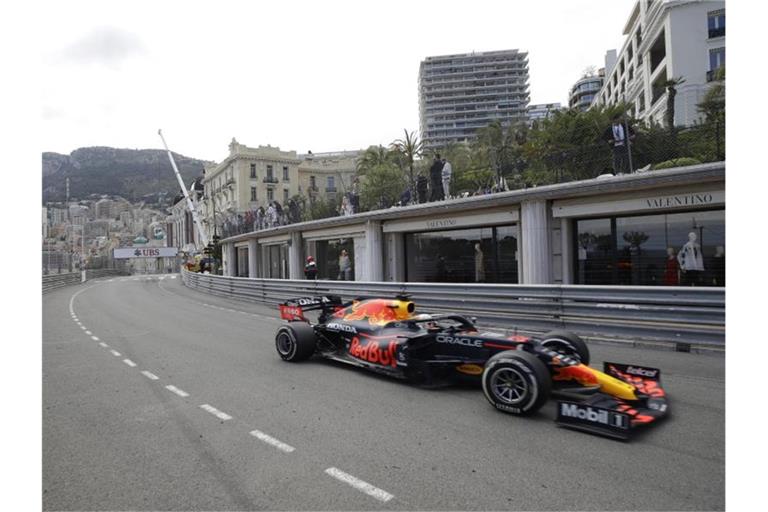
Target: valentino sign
[680,200]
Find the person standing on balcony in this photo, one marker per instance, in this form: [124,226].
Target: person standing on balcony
[436,179]
[619,136]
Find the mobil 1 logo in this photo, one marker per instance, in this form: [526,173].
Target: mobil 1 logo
[593,419]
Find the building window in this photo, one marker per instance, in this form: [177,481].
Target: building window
[328,258]
[253,194]
[312,182]
[253,170]
[285,196]
[270,195]
[716,58]
[331,184]
[645,250]
[477,255]
[716,23]
[270,173]
[285,173]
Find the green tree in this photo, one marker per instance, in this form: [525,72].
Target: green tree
[372,158]
[409,148]
[382,187]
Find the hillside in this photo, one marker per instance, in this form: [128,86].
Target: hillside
[134,174]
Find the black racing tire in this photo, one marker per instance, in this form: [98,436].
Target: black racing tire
[516,382]
[295,341]
[566,343]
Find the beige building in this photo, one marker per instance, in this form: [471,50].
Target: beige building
[247,179]
[327,175]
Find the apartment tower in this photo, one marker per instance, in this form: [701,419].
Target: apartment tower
[460,93]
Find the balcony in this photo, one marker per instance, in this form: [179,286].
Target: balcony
[712,75]
[330,190]
[716,32]
[312,189]
[270,180]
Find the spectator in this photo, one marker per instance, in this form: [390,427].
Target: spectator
[436,179]
[421,188]
[310,269]
[271,216]
[405,197]
[619,136]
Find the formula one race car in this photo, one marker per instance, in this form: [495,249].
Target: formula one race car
[517,373]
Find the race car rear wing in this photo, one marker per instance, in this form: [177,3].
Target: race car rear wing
[293,309]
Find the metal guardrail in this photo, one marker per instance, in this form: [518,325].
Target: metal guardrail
[54,281]
[683,316]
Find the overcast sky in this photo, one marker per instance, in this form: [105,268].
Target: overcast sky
[321,76]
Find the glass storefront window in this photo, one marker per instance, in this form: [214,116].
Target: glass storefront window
[242,262]
[657,250]
[276,261]
[333,257]
[477,255]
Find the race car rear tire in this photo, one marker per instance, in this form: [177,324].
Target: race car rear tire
[566,343]
[295,341]
[516,382]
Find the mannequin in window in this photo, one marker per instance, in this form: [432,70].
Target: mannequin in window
[671,269]
[691,261]
[479,265]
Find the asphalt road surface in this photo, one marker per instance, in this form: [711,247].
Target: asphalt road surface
[158,397]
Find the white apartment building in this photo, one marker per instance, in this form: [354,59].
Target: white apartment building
[542,111]
[667,39]
[460,93]
[585,89]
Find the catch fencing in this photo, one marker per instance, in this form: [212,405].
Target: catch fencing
[684,318]
[54,281]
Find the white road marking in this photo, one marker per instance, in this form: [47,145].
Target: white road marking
[150,375]
[94,338]
[129,363]
[177,391]
[360,485]
[216,412]
[89,333]
[173,277]
[104,345]
[83,327]
[115,353]
[271,440]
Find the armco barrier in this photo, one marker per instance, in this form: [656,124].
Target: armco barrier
[682,316]
[53,281]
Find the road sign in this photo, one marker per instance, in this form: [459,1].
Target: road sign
[145,252]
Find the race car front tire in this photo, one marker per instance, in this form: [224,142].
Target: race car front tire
[295,341]
[516,382]
[566,343]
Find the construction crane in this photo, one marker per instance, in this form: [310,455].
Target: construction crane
[190,204]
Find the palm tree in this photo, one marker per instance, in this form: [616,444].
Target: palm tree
[671,85]
[373,157]
[410,148]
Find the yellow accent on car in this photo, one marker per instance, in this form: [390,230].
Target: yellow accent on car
[615,387]
[470,369]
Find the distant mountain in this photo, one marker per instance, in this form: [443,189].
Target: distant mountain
[135,174]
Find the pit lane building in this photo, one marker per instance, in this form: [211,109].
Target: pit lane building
[623,230]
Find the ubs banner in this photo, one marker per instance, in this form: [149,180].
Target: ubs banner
[145,252]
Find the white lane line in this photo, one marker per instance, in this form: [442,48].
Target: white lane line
[83,327]
[94,338]
[271,440]
[176,390]
[115,353]
[104,345]
[150,375]
[89,333]
[216,412]
[129,363]
[360,485]
[173,277]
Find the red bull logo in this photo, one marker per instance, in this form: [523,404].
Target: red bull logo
[376,311]
[373,352]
